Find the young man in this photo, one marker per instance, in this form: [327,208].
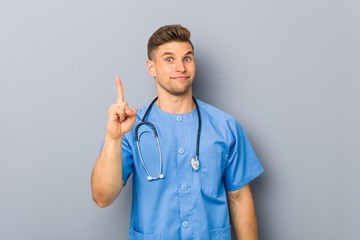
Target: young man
[190,182]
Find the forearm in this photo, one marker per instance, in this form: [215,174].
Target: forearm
[106,178]
[242,213]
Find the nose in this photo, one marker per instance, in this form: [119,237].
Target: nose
[180,67]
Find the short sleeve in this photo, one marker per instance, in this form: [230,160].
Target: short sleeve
[127,159]
[243,165]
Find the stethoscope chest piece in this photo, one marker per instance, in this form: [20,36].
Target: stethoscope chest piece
[195,164]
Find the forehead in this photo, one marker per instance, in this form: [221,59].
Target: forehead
[174,47]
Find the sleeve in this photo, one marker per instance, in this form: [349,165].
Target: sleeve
[243,165]
[127,159]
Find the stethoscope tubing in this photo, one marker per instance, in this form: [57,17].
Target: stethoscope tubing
[137,139]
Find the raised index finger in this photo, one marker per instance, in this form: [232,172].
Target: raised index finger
[119,89]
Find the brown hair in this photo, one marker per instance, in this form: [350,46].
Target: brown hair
[165,34]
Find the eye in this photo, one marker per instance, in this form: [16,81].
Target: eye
[187,59]
[169,59]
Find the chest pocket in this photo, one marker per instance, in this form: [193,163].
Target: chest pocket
[212,165]
[134,235]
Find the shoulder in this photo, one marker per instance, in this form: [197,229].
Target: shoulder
[140,112]
[216,114]
[219,119]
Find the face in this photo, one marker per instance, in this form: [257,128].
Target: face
[173,68]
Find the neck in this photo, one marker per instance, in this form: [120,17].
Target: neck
[176,104]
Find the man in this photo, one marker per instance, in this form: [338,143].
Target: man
[188,184]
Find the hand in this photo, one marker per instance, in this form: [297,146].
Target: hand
[121,118]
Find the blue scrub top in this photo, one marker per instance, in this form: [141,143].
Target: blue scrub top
[187,204]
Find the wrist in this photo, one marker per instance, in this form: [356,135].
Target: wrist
[111,140]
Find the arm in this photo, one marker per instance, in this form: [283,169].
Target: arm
[242,213]
[106,177]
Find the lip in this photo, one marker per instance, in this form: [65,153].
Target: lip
[180,78]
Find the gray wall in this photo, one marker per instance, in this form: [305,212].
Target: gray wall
[288,70]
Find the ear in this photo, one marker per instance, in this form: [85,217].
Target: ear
[150,65]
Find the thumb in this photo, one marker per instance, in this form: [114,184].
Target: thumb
[131,112]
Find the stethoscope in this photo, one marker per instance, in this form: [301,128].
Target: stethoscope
[195,163]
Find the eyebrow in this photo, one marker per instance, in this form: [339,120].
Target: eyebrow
[171,53]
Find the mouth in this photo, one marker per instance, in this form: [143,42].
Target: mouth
[180,78]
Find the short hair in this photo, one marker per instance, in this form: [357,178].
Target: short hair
[165,34]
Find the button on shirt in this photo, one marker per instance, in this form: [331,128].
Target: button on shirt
[186,204]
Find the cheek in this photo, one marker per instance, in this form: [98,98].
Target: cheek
[164,70]
[191,67]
